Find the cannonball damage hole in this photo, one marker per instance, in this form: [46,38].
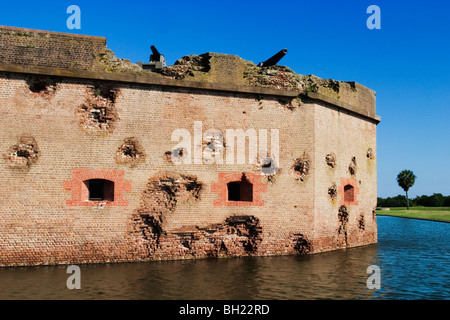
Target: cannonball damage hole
[38,86]
[131,151]
[352,166]
[41,85]
[301,167]
[343,218]
[333,192]
[269,167]
[331,160]
[105,92]
[175,156]
[23,154]
[302,244]
[164,192]
[213,147]
[98,112]
[370,155]
[361,223]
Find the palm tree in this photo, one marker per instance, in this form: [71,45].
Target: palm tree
[405,180]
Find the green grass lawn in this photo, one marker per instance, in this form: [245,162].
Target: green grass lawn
[438,213]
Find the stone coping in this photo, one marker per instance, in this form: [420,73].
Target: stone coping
[200,85]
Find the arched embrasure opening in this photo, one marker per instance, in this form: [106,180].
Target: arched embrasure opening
[349,193]
[240,191]
[99,190]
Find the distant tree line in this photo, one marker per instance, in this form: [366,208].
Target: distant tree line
[436,200]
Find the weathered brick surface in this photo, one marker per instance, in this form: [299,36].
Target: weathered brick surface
[347,137]
[162,210]
[49,49]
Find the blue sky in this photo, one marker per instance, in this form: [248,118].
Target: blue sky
[407,61]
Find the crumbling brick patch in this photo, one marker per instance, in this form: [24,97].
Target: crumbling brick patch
[246,227]
[301,244]
[343,223]
[41,85]
[213,148]
[313,83]
[167,156]
[300,168]
[187,66]
[370,154]
[110,63]
[23,154]
[174,156]
[237,236]
[333,192]
[130,152]
[352,166]
[150,228]
[289,103]
[98,113]
[279,77]
[361,223]
[331,160]
[334,85]
[267,168]
[164,191]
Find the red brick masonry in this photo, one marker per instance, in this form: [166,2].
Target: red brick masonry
[221,189]
[72,112]
[80,191]
[348,182]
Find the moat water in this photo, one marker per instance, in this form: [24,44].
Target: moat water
[413,257]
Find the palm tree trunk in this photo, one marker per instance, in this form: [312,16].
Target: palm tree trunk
[407,200]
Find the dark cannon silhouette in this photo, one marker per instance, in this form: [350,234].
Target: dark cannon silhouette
[157,61]
[273,60]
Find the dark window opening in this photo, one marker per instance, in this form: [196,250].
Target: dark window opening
[240,191]
[100,190]
[234,191]
[349,193]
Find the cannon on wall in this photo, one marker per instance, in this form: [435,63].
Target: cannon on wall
[273,60]
[156,56]
[157,61]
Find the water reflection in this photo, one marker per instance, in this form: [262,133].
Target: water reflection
[335,275]
[413,257]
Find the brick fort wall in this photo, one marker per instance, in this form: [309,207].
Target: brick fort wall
[88,175]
